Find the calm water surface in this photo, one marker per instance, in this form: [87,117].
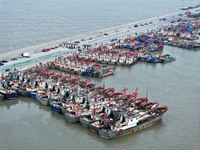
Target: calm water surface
[26,124]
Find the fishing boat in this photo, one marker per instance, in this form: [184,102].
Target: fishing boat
[100,59]
[22,92]
[104,71]
[9,94]
[77,109]
[106,59]
[132,123]
[153,60]
[43,98]
[113,60]
[32,92]
[86,120]
[167,58]
[56,107]
[98,124]
[129,61]
[72,116]
[102,118]
[122,60]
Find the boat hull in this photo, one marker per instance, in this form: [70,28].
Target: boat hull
[95,129]
[115,134]
[10,95]
[56,109]
[32,95]
[44,101]
[72,118]
[64,110]
[85,122]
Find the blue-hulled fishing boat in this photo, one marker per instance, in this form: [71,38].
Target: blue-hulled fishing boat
[32,94]
[56,107]
[9,94]
[153,60]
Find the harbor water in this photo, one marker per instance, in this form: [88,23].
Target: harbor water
[26,124]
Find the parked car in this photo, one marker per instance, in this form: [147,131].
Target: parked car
[4,61]
[43,50]
[47,49]
[14,58]
[113,40]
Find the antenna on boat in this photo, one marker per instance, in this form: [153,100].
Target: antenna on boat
[156,105]
[70,78]
[136,94]
[109,101]
[125,89]
[118,107]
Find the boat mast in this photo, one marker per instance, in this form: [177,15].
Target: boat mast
[146,98]
[136,95]
[109,101]
[70,78]
[125,89]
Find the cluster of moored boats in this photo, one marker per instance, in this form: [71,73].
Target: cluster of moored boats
[80,67]
[182,33]
[125,52]
[103,110]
